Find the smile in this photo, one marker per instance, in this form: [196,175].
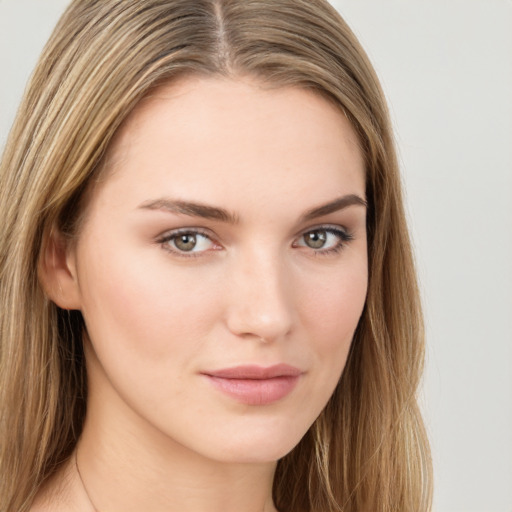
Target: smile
[255,385]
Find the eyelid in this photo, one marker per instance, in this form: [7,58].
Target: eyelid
[345,237]
[173,233]
[331,228]
[324,225]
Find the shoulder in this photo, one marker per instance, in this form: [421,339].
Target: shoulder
[58,494]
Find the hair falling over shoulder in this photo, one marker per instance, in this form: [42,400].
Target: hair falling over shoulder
[368,449]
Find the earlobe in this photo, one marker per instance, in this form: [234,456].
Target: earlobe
[57,272]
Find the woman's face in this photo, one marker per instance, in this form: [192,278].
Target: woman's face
[222,266]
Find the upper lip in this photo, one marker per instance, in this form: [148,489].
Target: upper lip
[255,372]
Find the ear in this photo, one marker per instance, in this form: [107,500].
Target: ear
[57,272]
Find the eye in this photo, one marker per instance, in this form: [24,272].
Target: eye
[187,242]
[324,240]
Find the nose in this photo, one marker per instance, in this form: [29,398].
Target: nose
[260,295]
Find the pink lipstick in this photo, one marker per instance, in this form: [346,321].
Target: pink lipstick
[255,385]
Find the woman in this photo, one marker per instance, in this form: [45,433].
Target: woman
[208,293]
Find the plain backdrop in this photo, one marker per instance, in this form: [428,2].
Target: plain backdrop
[446,68]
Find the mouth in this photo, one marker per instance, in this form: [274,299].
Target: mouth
[255,385]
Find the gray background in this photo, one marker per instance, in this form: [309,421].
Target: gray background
[446,67]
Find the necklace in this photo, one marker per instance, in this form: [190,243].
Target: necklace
[82,482]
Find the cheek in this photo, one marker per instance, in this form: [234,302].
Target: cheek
[331,314]
[333,308]
[146,308]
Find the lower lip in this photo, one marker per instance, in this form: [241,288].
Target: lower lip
[256,391]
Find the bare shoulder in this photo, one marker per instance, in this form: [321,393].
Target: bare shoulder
[57,494]
[48,499]
[40,506]
[43,503]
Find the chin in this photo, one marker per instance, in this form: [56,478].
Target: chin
[256,446]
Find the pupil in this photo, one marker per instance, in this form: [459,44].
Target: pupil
[185,242]
[316,239]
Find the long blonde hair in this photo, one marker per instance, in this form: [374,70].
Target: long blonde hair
[368,449]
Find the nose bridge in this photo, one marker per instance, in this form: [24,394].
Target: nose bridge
[261,302]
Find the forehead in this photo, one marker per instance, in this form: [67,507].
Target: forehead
[219,139]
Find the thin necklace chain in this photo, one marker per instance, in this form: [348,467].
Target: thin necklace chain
[82,482]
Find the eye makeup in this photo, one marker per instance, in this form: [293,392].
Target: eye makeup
[325,240]
[193,242]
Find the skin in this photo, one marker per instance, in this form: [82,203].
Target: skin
[158,435]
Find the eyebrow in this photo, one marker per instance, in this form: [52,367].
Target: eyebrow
[215,213]
[334,206]
[192,209]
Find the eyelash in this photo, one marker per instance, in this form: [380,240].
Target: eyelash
[344,238]
[168,237]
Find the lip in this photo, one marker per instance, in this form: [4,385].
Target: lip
[255,385]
